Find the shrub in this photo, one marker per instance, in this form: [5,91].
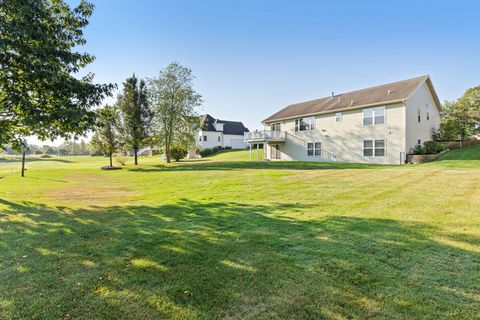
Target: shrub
[121,159]
[432,147]
[228,148]
[440,148]
[178,153]
[215,149]
[206,152]
[419,149]
[45,156]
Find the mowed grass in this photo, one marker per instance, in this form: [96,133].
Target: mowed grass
[217,238]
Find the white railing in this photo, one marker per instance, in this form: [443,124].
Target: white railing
[265,135]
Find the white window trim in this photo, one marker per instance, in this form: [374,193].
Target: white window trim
[373,148]
[373,116]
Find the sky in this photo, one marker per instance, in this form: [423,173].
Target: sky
[252,58]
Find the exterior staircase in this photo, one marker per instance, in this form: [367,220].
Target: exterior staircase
[325,154]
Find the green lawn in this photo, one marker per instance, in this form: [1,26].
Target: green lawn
[217,238]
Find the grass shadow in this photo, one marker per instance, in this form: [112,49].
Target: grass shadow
[227,260]
[274,165]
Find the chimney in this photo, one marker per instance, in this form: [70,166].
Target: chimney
[333,94]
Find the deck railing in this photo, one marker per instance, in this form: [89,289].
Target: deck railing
[265,135]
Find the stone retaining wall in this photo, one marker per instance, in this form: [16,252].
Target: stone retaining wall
[422,158]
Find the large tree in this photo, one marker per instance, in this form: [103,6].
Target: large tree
[106,138]
[174,102]
[40,91]
[461,118]
[135,115]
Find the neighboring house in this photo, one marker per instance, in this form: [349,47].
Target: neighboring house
[376,125]
[220,133]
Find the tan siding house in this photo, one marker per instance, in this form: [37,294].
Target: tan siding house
[375,125]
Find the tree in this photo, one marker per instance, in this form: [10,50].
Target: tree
[174,102]
[39,94]
[461,118]
[135,115]
[106,137]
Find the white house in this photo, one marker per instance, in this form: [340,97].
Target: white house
[221,133]
[375,125]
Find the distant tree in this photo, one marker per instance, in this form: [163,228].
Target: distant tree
[106,137]
[39,94]
[174,102]
[62,152]
[135,115]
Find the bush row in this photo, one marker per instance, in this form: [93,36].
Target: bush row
[429,147]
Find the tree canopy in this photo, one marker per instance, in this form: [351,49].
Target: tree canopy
[461,118]
[106,138]
[135,115]
[40,91]
[174,102]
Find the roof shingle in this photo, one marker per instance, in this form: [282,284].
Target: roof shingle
[387,93]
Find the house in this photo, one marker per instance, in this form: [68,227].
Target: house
[221,133]
[381,124]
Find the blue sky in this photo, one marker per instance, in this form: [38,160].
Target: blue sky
[251,58]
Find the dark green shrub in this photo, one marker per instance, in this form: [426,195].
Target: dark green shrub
[440,148]
[215,149]
[206,152]
[228,148]
[419,149]
[432,147]
[178,153]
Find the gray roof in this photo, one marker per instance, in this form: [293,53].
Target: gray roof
[383,94]
[229,127]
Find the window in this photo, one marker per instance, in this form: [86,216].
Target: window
[373,148]
[367,148]
[379,148]
[218,138]
[338,116]
[428,115]
[314,149]
[419,142]
[310,149]
[204,138]
[419,115]
[275,127]
[304,124]
[373,116]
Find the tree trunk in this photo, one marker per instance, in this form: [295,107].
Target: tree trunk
[135,151]
[23,163]
[167,154]
[111,165]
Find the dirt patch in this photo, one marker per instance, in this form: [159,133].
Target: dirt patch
[92,190]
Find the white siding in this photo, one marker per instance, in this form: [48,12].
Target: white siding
[421,100]
[345,138]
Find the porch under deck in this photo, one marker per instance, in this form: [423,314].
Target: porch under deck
[267,138]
